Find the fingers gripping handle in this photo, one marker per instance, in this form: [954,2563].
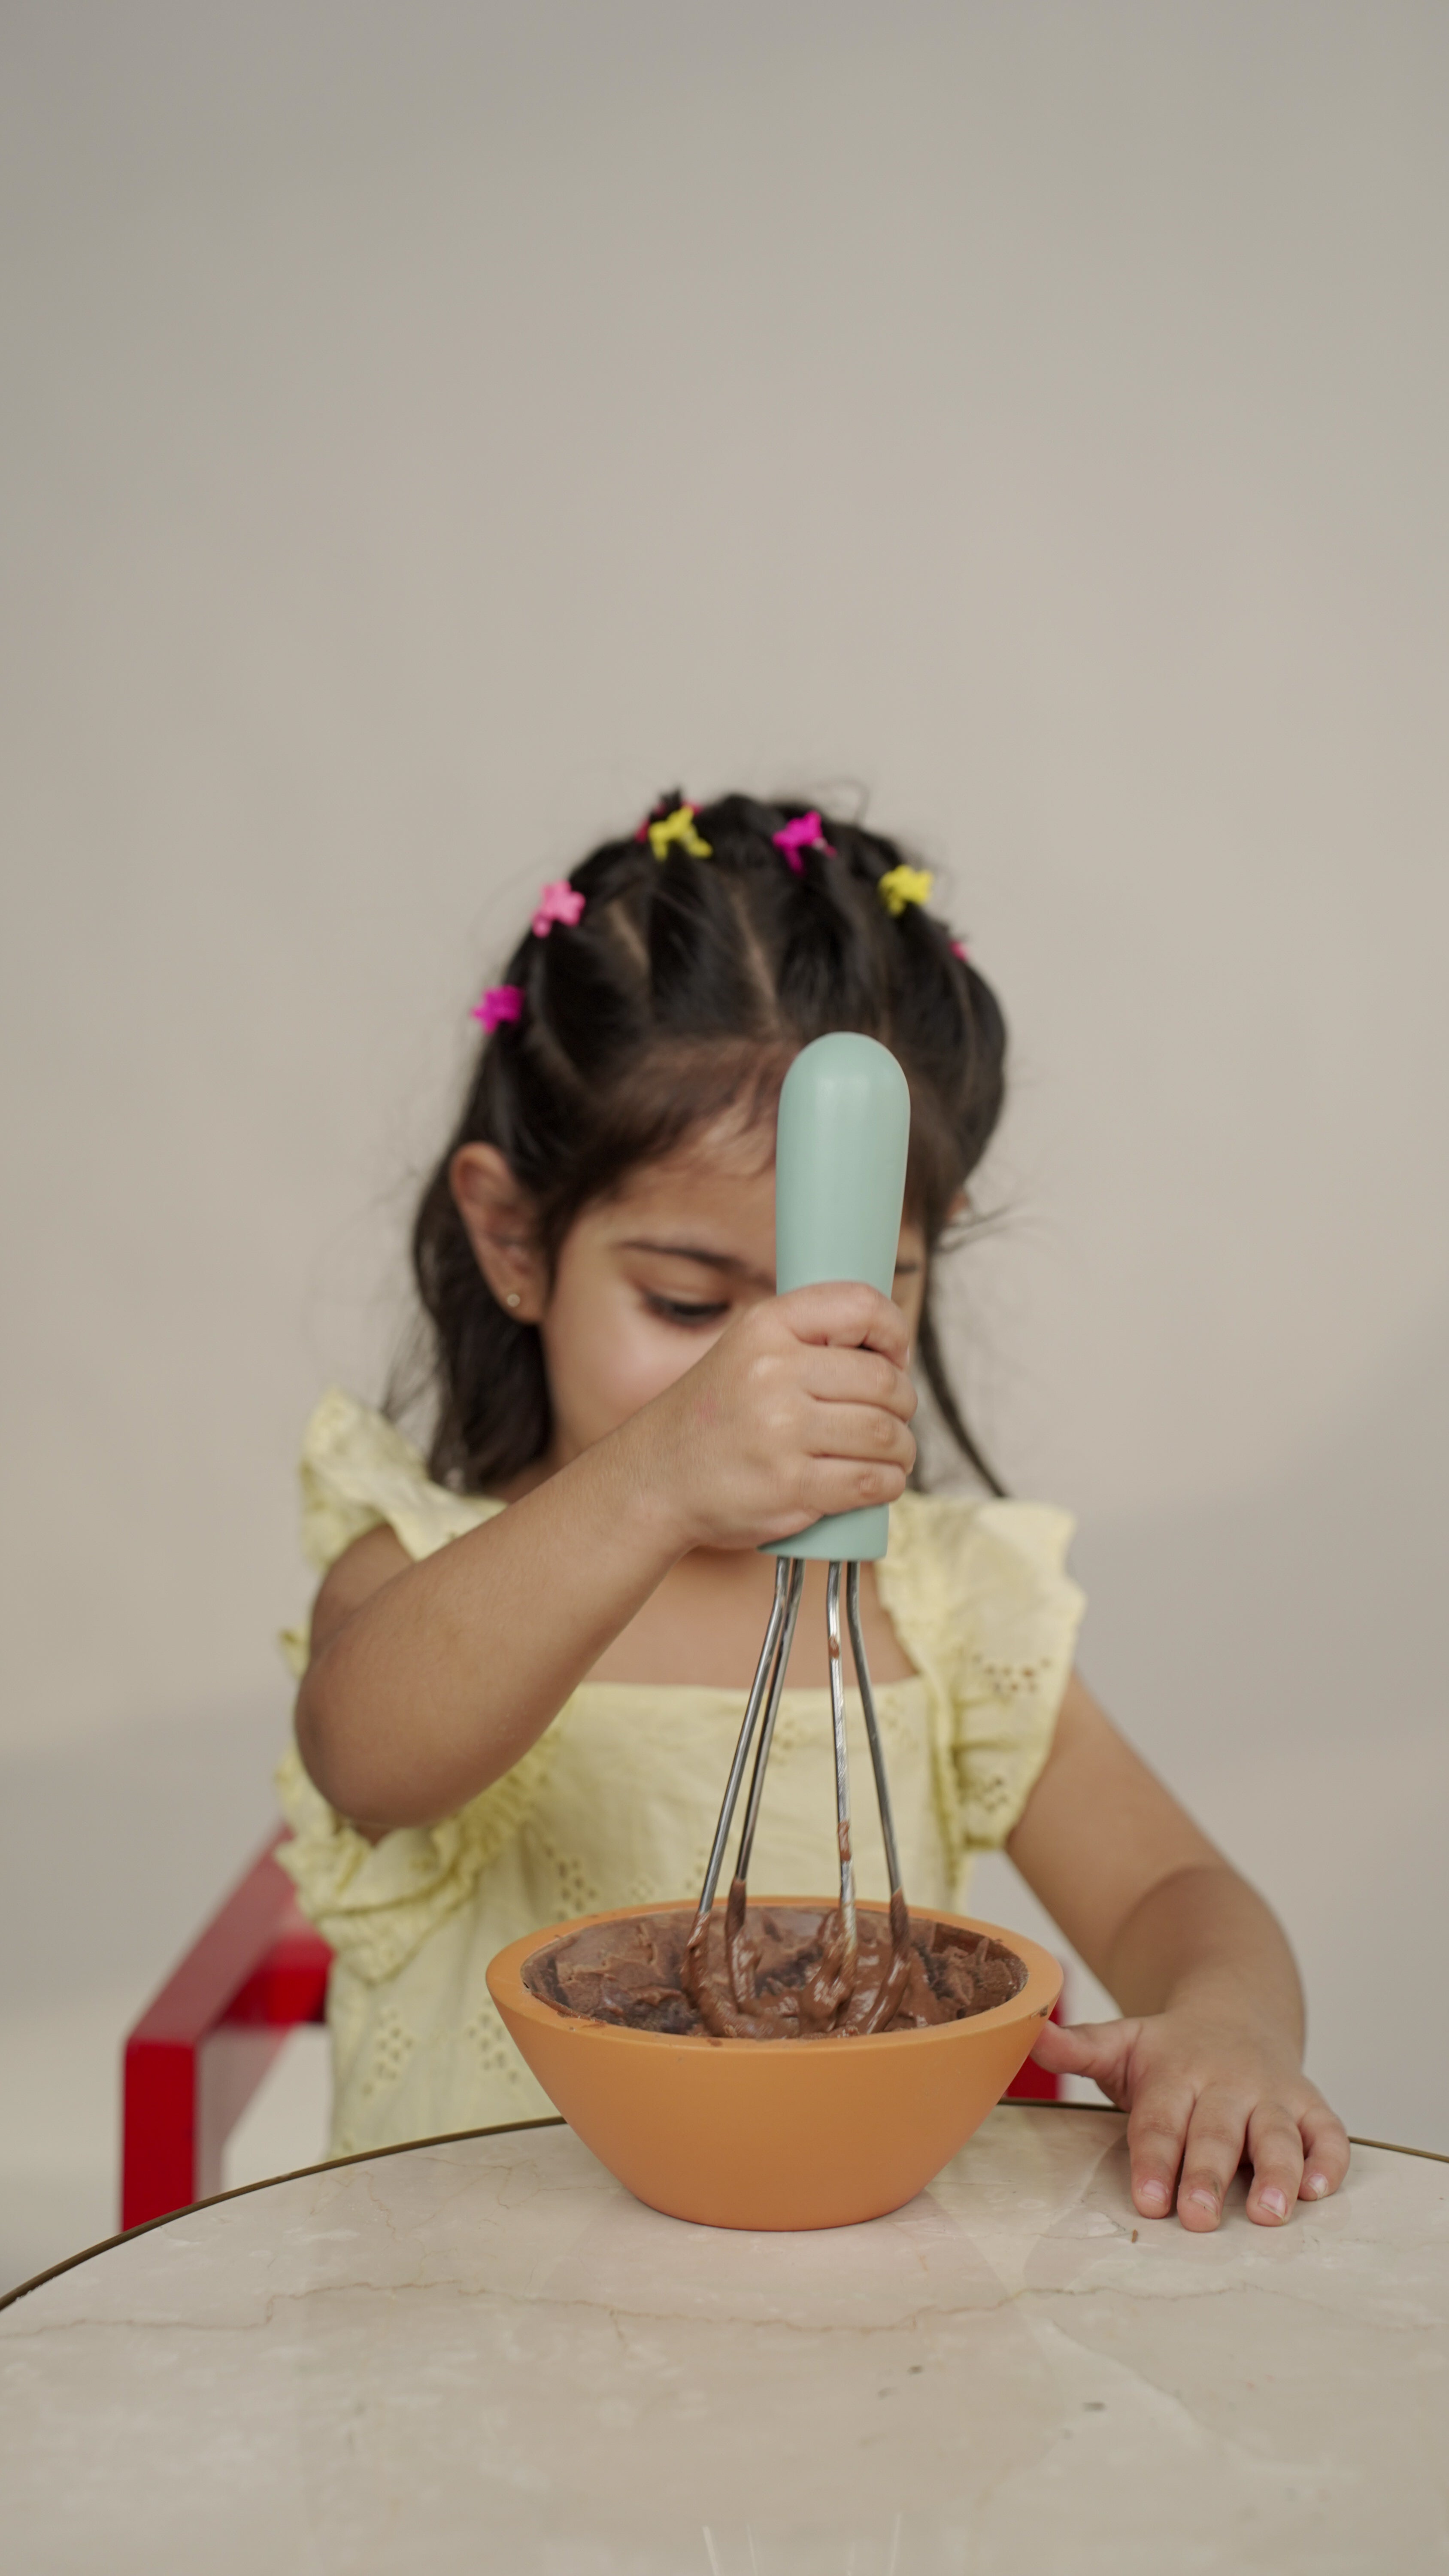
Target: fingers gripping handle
[840,1182]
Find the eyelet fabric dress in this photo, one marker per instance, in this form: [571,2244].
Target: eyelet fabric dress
[616,1803]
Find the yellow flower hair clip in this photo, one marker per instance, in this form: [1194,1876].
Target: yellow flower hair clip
[678,827]
[900,886]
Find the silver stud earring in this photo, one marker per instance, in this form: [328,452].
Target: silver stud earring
[513,1298]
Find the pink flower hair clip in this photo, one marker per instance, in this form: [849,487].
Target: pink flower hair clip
[500,1002]
[960,949]
[805,833]
[557,902]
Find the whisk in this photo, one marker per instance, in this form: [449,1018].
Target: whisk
[840,1170]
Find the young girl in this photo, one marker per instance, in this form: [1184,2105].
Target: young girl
[528,1656]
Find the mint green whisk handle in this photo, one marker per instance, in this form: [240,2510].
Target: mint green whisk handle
[840,1182]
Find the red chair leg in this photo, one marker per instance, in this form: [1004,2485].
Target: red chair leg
[1032,2083]
[204,2043]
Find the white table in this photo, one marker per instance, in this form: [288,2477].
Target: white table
[484,2356]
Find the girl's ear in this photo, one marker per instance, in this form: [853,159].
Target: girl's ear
[498,1217]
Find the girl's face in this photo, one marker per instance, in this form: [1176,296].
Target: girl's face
[646,1280]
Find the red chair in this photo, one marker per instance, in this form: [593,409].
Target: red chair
[201,2048]
[1032,2083]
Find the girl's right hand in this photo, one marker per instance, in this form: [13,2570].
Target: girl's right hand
[429,1680]
[801,1407]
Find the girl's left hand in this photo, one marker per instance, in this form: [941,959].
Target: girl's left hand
[1205,2095]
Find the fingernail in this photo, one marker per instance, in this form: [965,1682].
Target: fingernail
[1316,2185]
[1274,2203]
[1202,2200]
[1152,2195]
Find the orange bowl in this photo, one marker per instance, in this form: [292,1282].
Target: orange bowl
[779,2133]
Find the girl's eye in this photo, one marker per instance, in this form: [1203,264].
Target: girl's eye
[677,1310]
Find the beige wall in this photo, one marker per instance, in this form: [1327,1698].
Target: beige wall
[433,430]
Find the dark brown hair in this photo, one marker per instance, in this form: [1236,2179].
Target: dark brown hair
[683,992]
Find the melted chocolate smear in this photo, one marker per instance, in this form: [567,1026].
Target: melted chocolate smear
[789,1976]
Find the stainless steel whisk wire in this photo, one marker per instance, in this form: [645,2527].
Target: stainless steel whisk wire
[770,1671]
[872,1726]
[765,1692]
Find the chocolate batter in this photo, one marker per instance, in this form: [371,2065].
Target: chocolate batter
[774,1972]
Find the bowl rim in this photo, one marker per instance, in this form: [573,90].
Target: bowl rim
[1033,2001]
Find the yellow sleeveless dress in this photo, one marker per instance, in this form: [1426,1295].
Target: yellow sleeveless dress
[616,1803]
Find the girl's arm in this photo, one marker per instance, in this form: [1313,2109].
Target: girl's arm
[1208,2059]
[428,1681]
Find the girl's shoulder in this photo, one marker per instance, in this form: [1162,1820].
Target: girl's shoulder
[358,1471]
[984,1581]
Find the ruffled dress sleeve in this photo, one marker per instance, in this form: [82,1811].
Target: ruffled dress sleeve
[980,1597]
[376,1903]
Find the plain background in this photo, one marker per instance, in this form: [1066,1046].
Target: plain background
[430,431]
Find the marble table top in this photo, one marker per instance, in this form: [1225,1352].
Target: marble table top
[484,2355]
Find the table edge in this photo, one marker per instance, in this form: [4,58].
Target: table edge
[499,2129]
